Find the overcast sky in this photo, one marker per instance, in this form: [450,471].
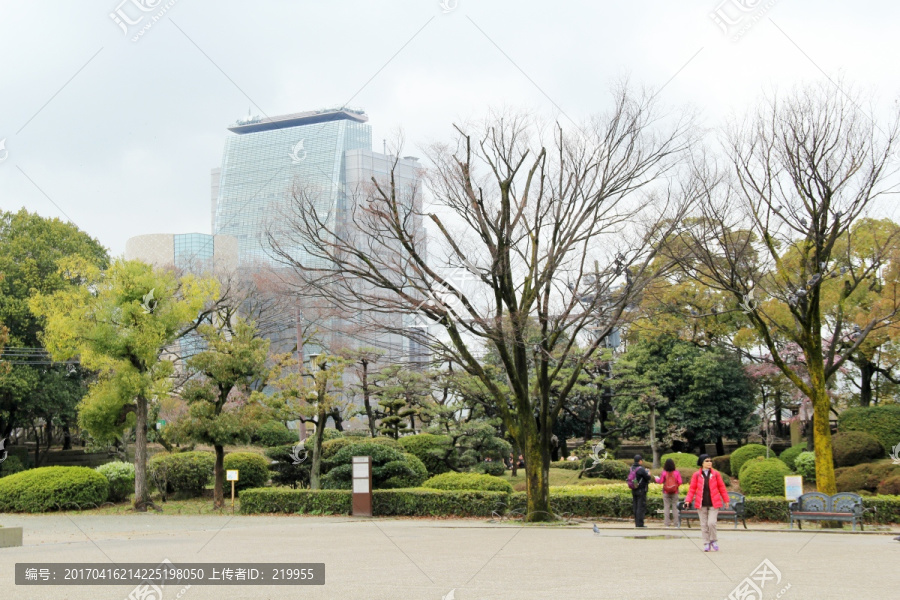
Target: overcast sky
[118,136]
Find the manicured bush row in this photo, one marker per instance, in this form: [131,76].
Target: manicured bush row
[51,488]
[184,472]
[468,481]
[285,500]
[682,459]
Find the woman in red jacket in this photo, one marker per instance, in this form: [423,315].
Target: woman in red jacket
[708,494]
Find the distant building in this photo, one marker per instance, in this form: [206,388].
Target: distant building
[196,253]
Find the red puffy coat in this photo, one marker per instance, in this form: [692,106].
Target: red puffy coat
[717,490]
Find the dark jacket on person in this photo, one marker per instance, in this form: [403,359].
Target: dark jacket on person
[642,478]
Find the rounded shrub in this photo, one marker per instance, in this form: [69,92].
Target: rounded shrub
[283,471]
[763,477]
[865,476]
[120,476]
[722,464]
[790,455]
[273,433]
[50,488]
[682,459]
[495,468]
[890,486]
[883,422]
[805,465]
[384,441]
[185,472]
[12,464]
[433,450]
[609,469]
[743,454]
[331,434]
[253,469]
[332,447]
[854,447]
[390,467]
[468,481]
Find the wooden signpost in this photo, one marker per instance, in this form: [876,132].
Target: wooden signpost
[232,476]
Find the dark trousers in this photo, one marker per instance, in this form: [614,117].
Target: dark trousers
[639,505]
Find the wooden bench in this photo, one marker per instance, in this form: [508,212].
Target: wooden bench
[734,510]
[816,506]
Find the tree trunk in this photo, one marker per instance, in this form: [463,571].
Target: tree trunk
[537,479]
[141,489]
[720,446]
[219,489]
[866,373]
[67,436]
[654,446]
[316,467]
[822,429]
[367,402]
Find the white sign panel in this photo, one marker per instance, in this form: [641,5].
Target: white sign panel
[231,475]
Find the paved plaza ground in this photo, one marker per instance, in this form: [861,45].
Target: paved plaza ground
[375,559]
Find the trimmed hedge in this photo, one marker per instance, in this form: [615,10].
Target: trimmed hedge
[805,465]
[50,488]
[682,459]
[854,447]
[430,449]
[253,469]
[120,477]
[571,465]
[274,433]
[763,477]
[722,464]
[468,481]
[391,468]
[864,477]
[332,447]
[743,454]
[184,472]
[402,502]
[790,455]
[883,422]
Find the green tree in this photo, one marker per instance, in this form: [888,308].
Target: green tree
[119,322]
[403,395]
[34,387]
[221,409]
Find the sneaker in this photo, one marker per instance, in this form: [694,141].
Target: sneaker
[714,546]
[706,547]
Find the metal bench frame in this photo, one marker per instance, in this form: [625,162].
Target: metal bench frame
[734,510]
[816,506]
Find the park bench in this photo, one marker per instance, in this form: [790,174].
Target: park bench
[816,506]
[734,510]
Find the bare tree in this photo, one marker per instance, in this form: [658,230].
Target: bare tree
[523,210]
[799,173]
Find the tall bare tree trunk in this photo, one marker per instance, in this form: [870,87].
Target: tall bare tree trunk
[141,487]
[219,490]
[316,468]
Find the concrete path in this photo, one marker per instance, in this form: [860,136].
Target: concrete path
[459,559]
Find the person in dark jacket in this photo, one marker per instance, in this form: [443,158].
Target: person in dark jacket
[642,479]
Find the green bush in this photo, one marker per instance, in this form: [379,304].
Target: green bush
[767,508]
[383,441]
[890,486]
[763,477]
[864,477]
[854,447]
[332,447]
[435,451]
[571,465]
[805,465]
[284,471]
[12,464]
[682,459]
[185,472]
[390,467]
[722,464]
[304,502]
[468,481]
[273,433]
[609,469]
[332,434]
[790,455]
[253,469]
[49,488]
[884,509]
[120,476]
[883,422]
[743,454]
[495,468]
